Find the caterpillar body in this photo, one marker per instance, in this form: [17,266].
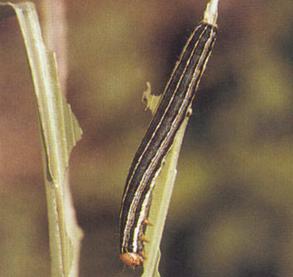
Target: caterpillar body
[174,105]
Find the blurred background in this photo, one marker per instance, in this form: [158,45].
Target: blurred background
[232,209]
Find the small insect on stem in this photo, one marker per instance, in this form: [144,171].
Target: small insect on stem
[174,106]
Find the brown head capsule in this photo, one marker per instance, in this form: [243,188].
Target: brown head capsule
[131,259]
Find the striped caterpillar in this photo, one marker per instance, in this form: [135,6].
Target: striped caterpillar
[174,105]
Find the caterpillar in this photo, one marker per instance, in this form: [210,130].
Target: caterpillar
[173,107]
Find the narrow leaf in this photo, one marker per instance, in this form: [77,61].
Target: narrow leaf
[59,131]
[164,184]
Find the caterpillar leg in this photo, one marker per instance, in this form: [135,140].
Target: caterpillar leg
[147,222]
[144,239]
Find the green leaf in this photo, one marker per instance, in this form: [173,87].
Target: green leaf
[160,203]
[161,195]
[59,132]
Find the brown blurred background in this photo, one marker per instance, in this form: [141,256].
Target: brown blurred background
[232,209]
